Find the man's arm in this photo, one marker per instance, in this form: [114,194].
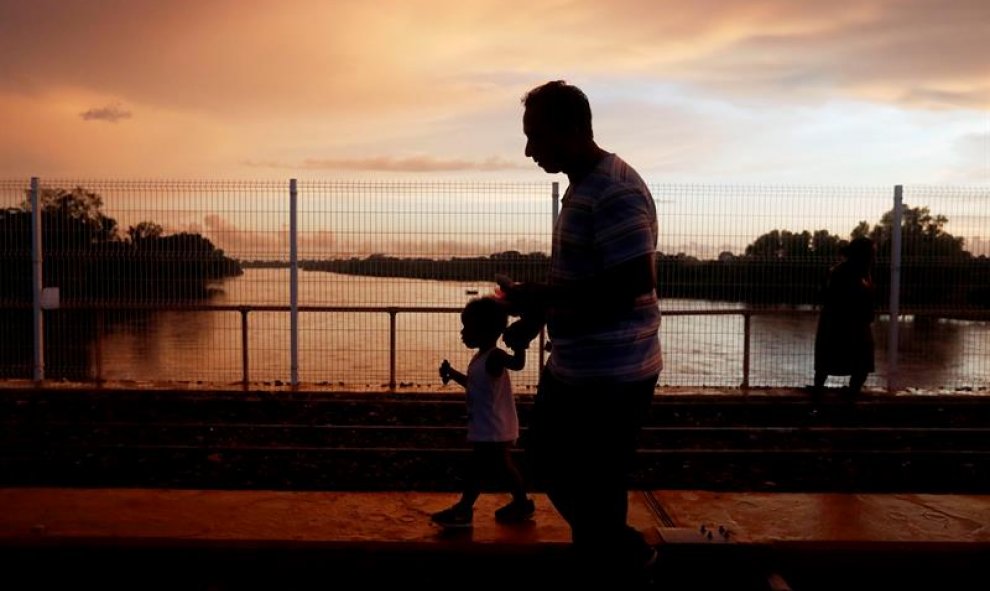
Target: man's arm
[614,289]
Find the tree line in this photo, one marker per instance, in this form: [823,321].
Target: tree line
[89,258]
[780,267]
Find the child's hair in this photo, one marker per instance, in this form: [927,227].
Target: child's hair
[488,313]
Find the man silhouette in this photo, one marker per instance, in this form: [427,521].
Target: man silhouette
[600,308]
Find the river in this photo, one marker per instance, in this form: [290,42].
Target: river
[352,349]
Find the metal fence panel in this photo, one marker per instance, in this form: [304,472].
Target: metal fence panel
[160,279]
[417,244]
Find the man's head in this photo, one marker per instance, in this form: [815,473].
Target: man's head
[557,124]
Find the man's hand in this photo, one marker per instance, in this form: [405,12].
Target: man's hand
[529,301]
[521,298]
[518,335]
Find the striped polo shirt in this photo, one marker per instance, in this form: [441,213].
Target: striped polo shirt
[606,219]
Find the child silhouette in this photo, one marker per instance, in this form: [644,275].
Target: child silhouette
[493,425]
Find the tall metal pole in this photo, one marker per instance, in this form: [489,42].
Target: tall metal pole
[893,336]
[37,280]
[293,286]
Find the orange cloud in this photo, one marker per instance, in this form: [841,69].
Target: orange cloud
[312,56]
[246,243]
[111,113]
[225,86]
[420,163]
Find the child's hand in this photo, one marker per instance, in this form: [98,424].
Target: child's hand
[445,371]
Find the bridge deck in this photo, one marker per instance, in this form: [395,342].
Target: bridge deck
[221,539]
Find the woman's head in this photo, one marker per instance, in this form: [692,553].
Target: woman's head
[859,252]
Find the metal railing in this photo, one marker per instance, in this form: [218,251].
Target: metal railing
[392,312]
[100,311]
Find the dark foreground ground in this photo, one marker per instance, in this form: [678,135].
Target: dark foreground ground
[323,441]
[229,490]
[201,539]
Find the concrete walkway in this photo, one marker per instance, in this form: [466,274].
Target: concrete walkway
[780,540]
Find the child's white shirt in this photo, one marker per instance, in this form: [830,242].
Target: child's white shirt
[491,406]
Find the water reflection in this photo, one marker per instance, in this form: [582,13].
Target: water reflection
[354,348]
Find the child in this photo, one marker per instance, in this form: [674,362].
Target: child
[493,425]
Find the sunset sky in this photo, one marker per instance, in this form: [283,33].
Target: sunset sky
[710,91]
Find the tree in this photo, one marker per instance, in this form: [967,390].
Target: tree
[780,244]
[77,210]
[861,230]
[144,231]
[922,235]
[766,245]
[826,245]
[87,258]
[935,270]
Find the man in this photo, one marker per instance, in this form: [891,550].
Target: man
[600,308]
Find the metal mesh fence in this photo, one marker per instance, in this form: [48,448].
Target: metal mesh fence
[15,281]
[751,248]
[945,288]
[190,281]
[132,261]
[410,245]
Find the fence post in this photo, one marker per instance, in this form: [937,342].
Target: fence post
[391,348]
[37,281]
[100,324]
[747,339]
[293,287]
[244,347]
[893,336]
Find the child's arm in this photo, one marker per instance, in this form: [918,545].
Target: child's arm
[499,360]
[448,373]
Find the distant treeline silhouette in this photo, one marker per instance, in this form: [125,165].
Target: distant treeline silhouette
[89,260]
[780,267]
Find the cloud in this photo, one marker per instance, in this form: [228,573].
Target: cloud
[111,113]
[247,243]
[937,99]
[973,152]
[250,243]
[242,242]
[356,87]
[393,164]
[218,224]
[411,164]
[912,53]
[308,56]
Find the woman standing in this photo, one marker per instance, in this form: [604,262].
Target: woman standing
[844,340]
